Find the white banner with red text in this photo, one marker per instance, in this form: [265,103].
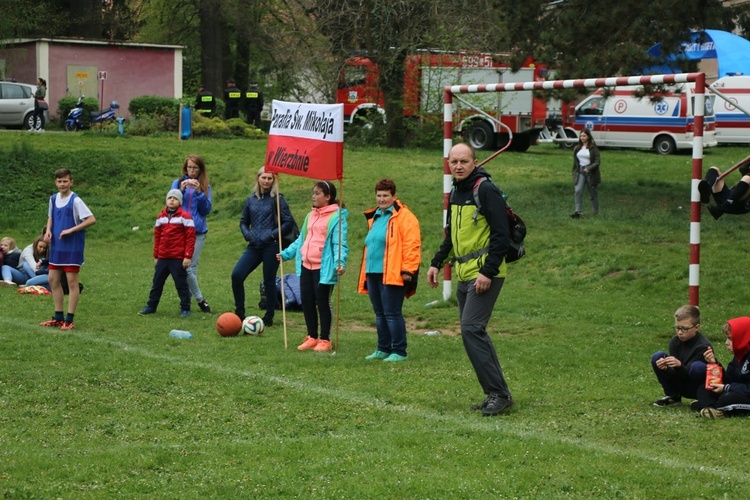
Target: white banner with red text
[306,140]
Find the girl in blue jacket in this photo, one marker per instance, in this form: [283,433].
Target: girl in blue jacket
[196,200]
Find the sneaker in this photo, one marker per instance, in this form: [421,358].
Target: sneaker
[575,215]
[309,343]
[54,323]
[41,130]
[668,401]
[67,325]
[695,406]
[377,355]
[323,346]
[204,306]
[184,314]
[496,404]
[8,283]
[267,321]
[705,190]
[482,405]
[146,310]
[712,413]
[395,358]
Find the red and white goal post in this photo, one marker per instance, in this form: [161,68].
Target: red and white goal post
[697,171]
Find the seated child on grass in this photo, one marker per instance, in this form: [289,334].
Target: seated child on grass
[683,370]
[731,397]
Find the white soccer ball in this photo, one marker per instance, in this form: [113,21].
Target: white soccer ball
[252,325]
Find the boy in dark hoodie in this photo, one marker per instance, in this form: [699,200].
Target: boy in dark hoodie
[683,370]
[732,397]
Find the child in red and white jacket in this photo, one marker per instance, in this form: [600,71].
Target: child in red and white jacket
[731,397]
[174,241]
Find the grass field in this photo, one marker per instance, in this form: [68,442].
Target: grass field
[116,408]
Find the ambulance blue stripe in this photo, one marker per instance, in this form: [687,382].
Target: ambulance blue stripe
[643,120]
[732,117]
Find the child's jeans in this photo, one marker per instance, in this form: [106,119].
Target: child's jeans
[14,275]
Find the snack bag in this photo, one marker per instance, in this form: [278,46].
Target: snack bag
[714,375]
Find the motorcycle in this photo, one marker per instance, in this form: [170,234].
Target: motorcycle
[74,121]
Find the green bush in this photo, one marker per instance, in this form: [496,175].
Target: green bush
[151,105]
[366,132]
[424,132]
[150,125]
[215,127]
[209,127]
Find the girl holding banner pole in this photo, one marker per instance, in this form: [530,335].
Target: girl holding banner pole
[258,225]
[320,252]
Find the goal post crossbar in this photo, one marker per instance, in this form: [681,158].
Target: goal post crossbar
[697,160]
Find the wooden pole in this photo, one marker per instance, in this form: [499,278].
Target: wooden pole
[338,263]
[733,168]
[281,262]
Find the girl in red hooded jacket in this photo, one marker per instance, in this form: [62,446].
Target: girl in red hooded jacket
[732,397]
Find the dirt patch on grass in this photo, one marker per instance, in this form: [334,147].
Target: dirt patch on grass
[615,274]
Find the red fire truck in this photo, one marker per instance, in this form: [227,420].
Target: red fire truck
[428,72]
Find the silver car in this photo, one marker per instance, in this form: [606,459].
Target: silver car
[17,104]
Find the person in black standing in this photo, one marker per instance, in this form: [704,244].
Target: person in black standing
[253,104]
[205,103]
[232,100]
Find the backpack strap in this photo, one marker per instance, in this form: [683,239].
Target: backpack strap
[469,256]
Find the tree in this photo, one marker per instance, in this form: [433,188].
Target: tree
[211,45]
[387,31]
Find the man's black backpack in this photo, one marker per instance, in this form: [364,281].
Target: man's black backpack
[516,225]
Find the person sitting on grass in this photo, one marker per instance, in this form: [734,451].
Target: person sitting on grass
[12,272]
[728,201]
[174,242]
[683,370]
[731,397]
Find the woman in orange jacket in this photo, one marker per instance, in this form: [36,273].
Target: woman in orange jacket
[390,264]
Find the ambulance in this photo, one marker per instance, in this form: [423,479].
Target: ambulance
[620,117]
[732,124]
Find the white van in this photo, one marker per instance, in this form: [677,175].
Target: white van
[732,124]
[662,121]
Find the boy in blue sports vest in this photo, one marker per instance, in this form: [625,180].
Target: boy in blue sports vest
[68,218]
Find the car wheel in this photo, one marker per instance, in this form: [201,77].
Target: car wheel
[29,121]
[481,136]
[664,145]
[570,134]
